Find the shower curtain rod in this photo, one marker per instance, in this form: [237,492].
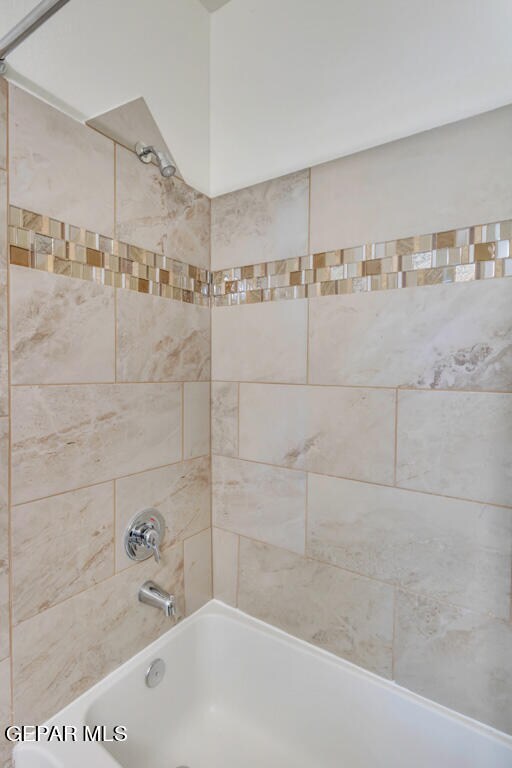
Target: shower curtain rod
[28,24]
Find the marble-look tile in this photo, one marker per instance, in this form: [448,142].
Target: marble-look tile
[83,521]
[5,712]
[4,345]
[265,222]
[61,652]
[62,329]
[343,613]
[3,122]
[225,565]
[224,418]
[455,657]
[181,493]
[439,337]
[65,437]
[59,167]
[452,550]
[260,342]
[4,538]
[456,444]
[3,222]
[161,340]
[198,570]
[162,215]
[260,502]
[196,419]
[335,431]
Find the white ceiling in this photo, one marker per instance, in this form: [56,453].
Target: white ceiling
[214,5]
[265,87]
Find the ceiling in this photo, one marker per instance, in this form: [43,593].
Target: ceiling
[265,87]
[214,5]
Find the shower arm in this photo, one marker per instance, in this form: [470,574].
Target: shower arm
[28,24]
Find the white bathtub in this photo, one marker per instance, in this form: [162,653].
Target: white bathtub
[240,694]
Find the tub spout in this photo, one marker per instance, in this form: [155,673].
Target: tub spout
[151,594]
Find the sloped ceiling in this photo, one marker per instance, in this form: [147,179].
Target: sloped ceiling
[263,87]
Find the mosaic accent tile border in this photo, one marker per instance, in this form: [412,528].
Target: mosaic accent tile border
[41,242]
[460,255]
[473,253]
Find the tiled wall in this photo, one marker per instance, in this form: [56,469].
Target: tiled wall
[362,471]
[107,399]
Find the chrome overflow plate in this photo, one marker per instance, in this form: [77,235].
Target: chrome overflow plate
[155,673]
[144,535]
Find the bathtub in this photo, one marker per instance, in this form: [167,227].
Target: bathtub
[238,693]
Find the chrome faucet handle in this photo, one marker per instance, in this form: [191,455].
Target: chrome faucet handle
[152,540]
[144,535]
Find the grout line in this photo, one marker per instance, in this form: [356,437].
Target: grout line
[112,479]
[366,482]
[379,388]
[372,579]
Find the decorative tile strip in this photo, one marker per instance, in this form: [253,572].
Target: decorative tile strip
[460,255]
[41,242]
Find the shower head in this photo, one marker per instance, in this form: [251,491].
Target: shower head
[146,153]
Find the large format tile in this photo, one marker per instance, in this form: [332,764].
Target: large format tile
[4,538]
[196,419]
[82,522]
[162,215]
[416,185]
[62,329]
[224,415]
[456,657]
[59,167]
[225,565]
[64,437]
[197,553]
[181,493]
[259,501]
[260,342]
[456,444]
[5,711]
[161,340]
[266,222]
[4,345]
[3,122]
[441,337]
[346,614]
[61,652]
[458,551]
[337,431]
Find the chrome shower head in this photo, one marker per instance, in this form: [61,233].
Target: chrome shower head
[146,153]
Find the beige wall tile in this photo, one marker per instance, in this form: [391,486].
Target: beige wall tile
[224,427]
[62,329]
[259,501]
[225,565]
[3,123]
[456,657]
[181,493]
[436,337]
[457,551]
[65,437]
[81,524]
[161,340]
[162,215]
[59,167]
[198,570]
[337,431]
[4,538]
[5,711]
[260,342]
[3,223]
[4,362]
[61,652]
[413,186]
[196,419]
[456,444]
[265,222]
[343,613]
